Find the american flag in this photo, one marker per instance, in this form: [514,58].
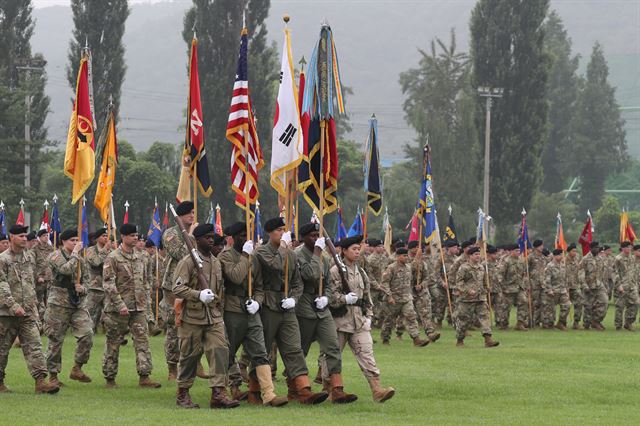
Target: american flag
[241,132]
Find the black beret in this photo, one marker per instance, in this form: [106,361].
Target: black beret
[557,251]
[399,244]
[42,232]
[128,229]
[149,243]
[218,240]
[537,243]
[473,250]
[466,244]
[99,232]
[203,229]
[3,237]
[308,228]
[545,252]
[402,250]
[473,240]
[594,244]
[571,246]
[636,247]
[273,224]
[345,243]
[68,234]
[450,243]
[18,229]
[235,229]
[625,244]
[184,208]
[513,247]
[492,249]
[413,244]
[31,236]
[605,247]
[374,242]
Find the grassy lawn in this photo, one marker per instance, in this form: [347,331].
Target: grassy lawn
[536,377]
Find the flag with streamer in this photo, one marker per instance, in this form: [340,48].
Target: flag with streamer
[426,203]
[55,225]
[372,184]
[341,231]
[109,146]
[20,219]
[627,232]
[388,231]
[480,237]
[257,224]
[586,236]
[450,229]
[523,234]
[44,222]
[560,242]
[414,235]
[3,220]
[165,218]
[155,230]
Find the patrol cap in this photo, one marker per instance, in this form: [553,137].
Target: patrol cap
[128,229]
[42,232]
[235,229]
[492,249]
[273,224]
[68,234]
[473,250]
[203,229]
[625,244]
[31,236]
[345,243]
[402,250]
[218,240]
[184,208]
[537,243]
[557,251]
[308,228]
[413,244]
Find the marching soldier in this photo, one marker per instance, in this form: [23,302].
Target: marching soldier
[495,280]
[354,327]
[537,264]
[274,264]
[126,293]
[421,276]
[19,310]
[574,284]
[439,291]
[202,325]
[65,308]
[513,290]
[471,294]
[625,278]
[554,292]
[315,320]
[243,324]
[42,250]
[596,299]
[95,257]
[374,267]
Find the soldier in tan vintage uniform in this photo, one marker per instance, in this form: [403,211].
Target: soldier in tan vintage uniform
[19,311]
[125,308]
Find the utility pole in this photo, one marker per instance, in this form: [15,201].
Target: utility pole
[35,64]
[489,93]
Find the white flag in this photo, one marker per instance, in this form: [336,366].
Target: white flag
[287,142]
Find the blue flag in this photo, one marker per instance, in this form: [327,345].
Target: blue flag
[55,226]
[372,184]
[85,227]
[257,225]
[356,226]
[3,223]
[523,235]
[450,229]
[155,229]
[426,203]
[341,231]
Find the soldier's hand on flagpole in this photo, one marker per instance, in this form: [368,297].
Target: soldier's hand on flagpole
[286,237]
[321,302]
[247,247]
[77,247]
[124,311]
[321,243]
[19,312]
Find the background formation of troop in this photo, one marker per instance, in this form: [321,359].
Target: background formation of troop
[213,294]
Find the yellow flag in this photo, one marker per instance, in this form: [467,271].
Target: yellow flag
[107,171]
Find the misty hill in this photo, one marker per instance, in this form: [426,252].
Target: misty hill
[376,40]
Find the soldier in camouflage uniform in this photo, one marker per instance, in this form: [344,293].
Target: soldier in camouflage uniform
[625,278]
[422,274]
[374,267]
[65,308]
[554,292]
[495,293]
[399,303]
[42,250]
[537,264]
[95,257]
[596,299]
[126,297]
[19,311]
[471,294]
[512,271]
[152,258]
[439,298]
[608,278]
[574,284]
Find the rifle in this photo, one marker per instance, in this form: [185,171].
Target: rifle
[342,269]
[178,304]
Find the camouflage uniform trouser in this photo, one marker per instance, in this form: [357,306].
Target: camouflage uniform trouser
[195,340]
[41,295]
[577,300]
[536,305]
[377,307]
[470,313]
[25,328]
[94,304]
[57,320]
[171,349]
[549,302]
[438,302]
[361,345]
[626,306]
[595,307]
[496,301]
[422,305]
[404,310]
[116,326]
[517,300]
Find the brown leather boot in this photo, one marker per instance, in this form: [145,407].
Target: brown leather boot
[337,394]
[433,337]
[183,399]
[46,387]
[379,393]
[561,326]
[111,384]
[253,396]
[305,396]
[78,374]
[146,382]
[417,341]
[201,372]
[398,336]
[265,384]
[576,325]
[597,326]
[53,379]
[318,378]
[3,388]
[219,399]
[292,392]
[489,342]
[629,327]
[173,372]
[238,394]
[521,326]
[460,343]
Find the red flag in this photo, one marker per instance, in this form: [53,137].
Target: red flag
[20,220]
[586,236]
[44,223]
[165,220]
[415,229]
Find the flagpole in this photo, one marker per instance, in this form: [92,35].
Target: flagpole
[157,283]
[486,266]
[526,266]
[195,192]
[79,262]
[55,233]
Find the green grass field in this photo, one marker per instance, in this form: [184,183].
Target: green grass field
[535,377]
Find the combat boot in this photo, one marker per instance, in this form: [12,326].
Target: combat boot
[183,399]
[460,343]
[253,396]
[46,387]
[173,372]
[318,378]
[53,379]
[336,391]
[266,393]
[386,342]
[561,326]
[433,337]
[576,325]
[303,389]
[200,372]
[630,327]
[219,399]
[417,341]
[597,326]
[398,336]
[521,326]
[78,374]
[489,342]
[146,382]
[292,392]
[379,393]
[111,384]
[237,394]
[3,388]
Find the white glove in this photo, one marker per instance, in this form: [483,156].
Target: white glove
[321,243]
[286,237]
[351,298]
[253,307]
[367,323]
[247,247]
[321,302]
[288,303]
[206,296]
